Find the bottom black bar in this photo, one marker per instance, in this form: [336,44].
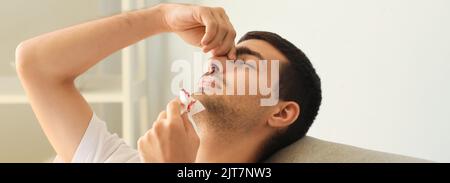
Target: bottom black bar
[228,172]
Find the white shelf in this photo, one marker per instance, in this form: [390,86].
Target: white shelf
[105,89]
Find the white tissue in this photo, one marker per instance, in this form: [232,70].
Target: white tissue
[190,105]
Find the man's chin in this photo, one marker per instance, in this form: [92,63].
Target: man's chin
[211,102]
[205,92]
[202,97]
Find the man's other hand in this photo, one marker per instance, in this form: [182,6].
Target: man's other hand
[172,139]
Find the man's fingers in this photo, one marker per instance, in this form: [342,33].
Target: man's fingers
[210,23]
[162,115]
[220,35]
[227,45]
[186,123]
[232,53]
[173,109]
[231,37]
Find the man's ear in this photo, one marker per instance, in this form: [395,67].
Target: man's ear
[284,114]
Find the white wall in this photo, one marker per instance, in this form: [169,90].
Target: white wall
[23,19]
[21,138]
[384,66]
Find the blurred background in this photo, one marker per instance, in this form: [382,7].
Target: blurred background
[384,65]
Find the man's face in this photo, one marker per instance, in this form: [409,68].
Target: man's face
[231,93]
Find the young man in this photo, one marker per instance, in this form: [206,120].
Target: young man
[233,128]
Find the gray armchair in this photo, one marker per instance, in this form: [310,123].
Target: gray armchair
[313,150]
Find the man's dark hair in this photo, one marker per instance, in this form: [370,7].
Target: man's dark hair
[299,82]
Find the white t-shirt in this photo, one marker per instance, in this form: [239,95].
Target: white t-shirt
[98,145]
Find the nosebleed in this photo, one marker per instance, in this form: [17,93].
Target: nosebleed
[190,105]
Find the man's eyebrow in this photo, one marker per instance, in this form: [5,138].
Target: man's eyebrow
[242,50]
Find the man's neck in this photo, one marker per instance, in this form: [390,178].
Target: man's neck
[227,149]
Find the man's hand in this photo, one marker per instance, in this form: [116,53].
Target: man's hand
[172,139]
[205,27]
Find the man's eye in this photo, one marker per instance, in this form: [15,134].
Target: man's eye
[248,65]
[239,62]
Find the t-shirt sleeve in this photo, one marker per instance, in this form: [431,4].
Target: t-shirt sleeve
[98,145]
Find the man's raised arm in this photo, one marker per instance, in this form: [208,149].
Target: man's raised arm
[48,64]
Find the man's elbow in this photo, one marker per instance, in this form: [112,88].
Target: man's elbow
[30,66]
[25,59]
